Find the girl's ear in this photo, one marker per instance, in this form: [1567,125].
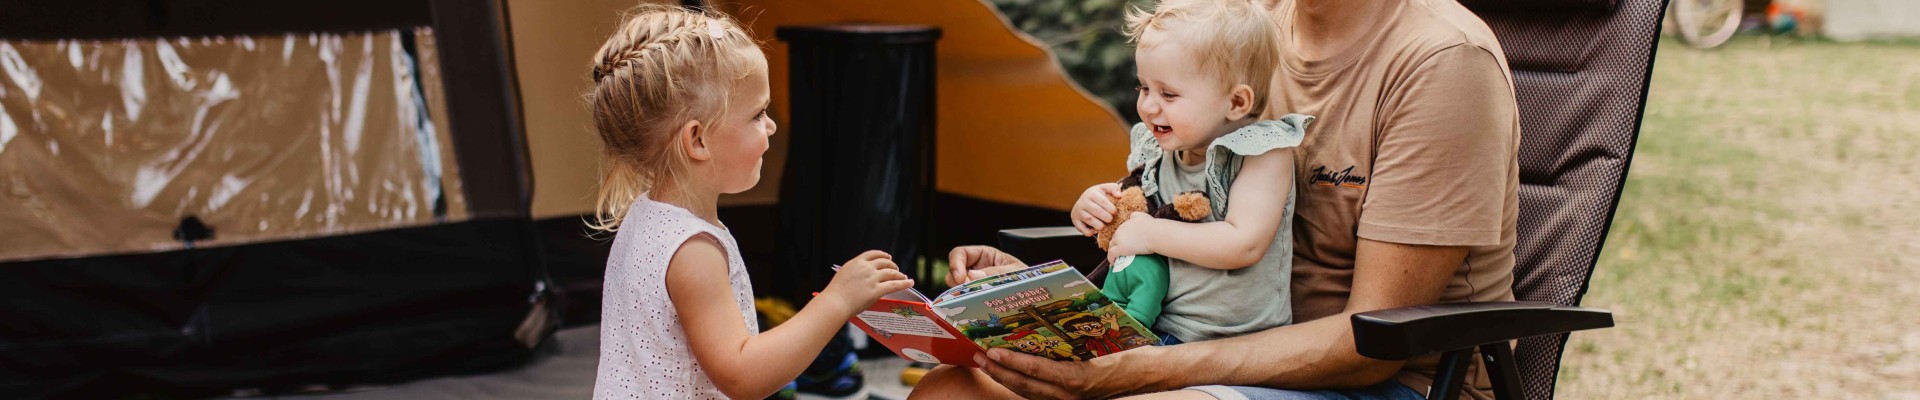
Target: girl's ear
[1240,102]
[693,140]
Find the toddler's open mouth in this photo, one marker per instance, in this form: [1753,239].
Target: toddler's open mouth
[1161,129]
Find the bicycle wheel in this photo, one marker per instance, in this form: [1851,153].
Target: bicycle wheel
[1705,24]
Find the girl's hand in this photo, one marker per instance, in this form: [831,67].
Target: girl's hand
[1095,208]
[1131,237]
[864,279]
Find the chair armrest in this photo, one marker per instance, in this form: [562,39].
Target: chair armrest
[1036,245]
[1408,332]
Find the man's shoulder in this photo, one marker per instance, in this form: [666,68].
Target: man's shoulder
[1430,27]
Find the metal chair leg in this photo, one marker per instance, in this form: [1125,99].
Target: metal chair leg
[1452,377]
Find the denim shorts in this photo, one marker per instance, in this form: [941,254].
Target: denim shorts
[1388,390]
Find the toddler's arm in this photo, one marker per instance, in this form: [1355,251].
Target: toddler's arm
[1257,204]
[745,366]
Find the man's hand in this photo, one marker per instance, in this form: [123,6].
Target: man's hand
[1037,377]
[966,263]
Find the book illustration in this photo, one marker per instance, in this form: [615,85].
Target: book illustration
[1049,310]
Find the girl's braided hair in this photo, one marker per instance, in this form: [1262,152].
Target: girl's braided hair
[663,67]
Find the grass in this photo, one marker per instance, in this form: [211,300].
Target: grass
[1765,245]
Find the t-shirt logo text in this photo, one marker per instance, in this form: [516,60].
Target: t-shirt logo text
[1323,176]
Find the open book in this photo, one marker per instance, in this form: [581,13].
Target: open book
[1050,310]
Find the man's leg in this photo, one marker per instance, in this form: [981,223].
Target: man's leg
[1173,395]
[1388,390]
[954,382]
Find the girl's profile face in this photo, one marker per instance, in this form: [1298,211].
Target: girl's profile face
[1179,102]
[740,142]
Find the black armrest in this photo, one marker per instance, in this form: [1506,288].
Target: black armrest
[1036,245]
[1404,333]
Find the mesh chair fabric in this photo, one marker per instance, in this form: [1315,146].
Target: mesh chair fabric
[1581,81]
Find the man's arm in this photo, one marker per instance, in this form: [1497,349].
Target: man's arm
[1310,355]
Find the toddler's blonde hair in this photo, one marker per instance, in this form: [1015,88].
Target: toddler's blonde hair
[1235,40]
[662,67]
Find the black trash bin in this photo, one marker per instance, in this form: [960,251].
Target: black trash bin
[860,161]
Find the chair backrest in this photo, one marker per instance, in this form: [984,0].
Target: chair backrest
[1580,68]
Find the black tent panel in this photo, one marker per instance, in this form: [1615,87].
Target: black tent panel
[451,296]
[365,308]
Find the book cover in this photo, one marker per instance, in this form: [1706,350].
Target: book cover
[1049,310]
[905,322]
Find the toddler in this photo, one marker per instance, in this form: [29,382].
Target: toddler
[1205,68]
[680,103]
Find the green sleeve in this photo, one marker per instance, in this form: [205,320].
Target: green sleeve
[1140,288]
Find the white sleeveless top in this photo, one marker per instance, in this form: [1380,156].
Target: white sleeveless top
[643,349]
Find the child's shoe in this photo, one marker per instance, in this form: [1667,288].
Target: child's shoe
[790,392]
[845,381]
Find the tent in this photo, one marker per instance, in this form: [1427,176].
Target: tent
[204,195]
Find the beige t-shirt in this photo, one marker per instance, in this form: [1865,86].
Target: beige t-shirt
[1416,143]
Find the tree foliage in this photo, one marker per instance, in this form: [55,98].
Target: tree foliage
[1086,37]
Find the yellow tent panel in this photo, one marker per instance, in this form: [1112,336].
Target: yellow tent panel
[1013,127]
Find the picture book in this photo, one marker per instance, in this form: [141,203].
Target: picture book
[1050,310]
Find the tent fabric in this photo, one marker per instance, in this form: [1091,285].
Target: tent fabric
[105,145]
[360,273]
[1012,127]
[553,44]
[377,307]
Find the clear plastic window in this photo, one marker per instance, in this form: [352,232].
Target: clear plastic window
[107,145]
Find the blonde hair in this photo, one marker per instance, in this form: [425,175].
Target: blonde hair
[1236,40]
[663,66]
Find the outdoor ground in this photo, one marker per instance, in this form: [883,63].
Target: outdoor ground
[1768,242]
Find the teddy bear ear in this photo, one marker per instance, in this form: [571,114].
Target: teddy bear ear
[1133,178]
[1193,206]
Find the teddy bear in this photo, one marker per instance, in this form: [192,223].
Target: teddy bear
[1138,284]
[1186,207]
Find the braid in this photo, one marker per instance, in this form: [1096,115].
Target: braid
[663,32]
[664,67]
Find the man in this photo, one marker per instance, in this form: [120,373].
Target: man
[1407,188]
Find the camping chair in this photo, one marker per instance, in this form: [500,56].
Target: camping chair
[1580,69]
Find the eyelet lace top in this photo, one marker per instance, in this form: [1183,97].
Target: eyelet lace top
[643,349]
[1223,155]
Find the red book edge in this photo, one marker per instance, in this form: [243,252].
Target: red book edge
[957,350]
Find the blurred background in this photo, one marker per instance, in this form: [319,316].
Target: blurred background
[221,198]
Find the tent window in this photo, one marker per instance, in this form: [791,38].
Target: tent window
[106,146]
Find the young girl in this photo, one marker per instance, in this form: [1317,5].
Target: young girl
[1204,70]
[680,101]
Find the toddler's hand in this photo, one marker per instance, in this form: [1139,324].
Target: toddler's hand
[1131,238]
[864,279]
[1095,208]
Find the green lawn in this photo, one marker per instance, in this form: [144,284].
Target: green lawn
[1766,243]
